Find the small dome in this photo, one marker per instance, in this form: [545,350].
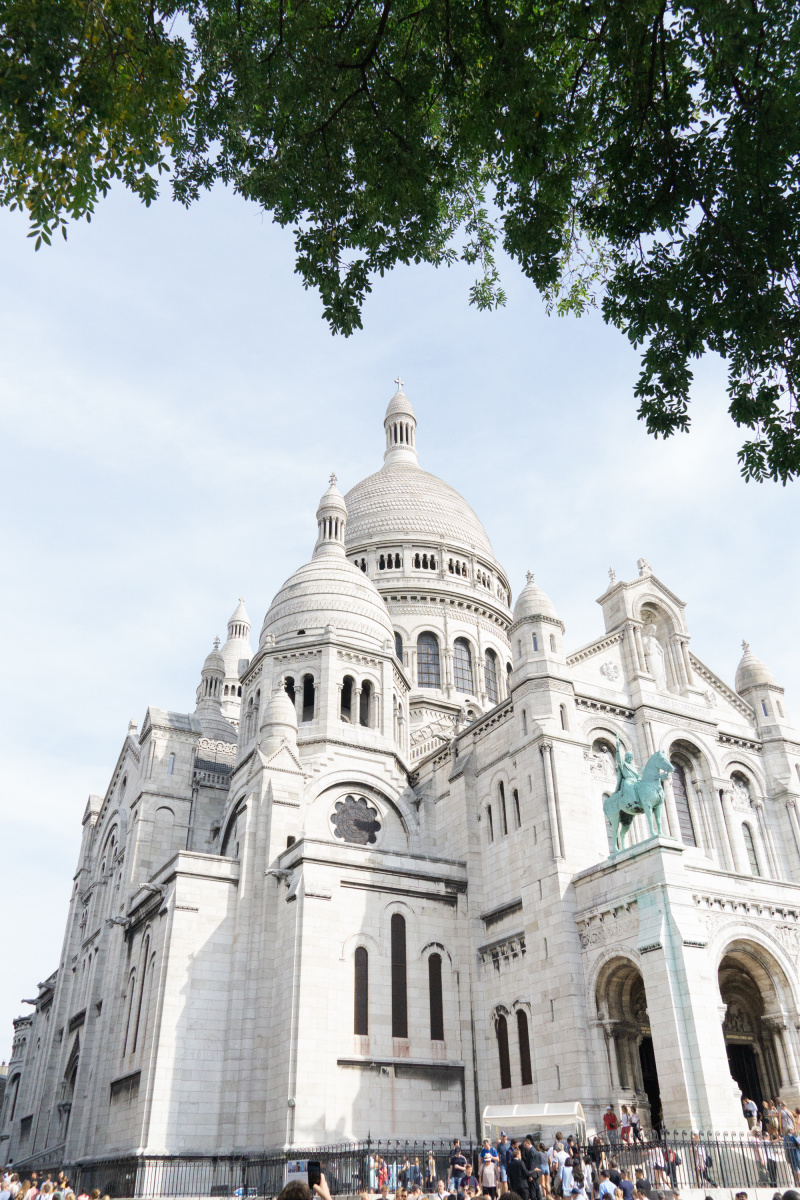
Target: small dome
[533,602]
[279,710]
[329,591]
[752,672]
[400,405]
[215,661]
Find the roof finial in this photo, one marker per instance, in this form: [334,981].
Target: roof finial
[529,576]
[216,643]
[745,646]
[333,479]
[399,383]
[612,575]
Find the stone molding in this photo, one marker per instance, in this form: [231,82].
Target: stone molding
[612,924]
[587,704]
[593,648]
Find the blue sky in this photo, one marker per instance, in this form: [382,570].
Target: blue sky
[172,405]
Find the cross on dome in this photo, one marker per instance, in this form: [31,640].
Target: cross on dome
[745,646]
[399,383]
[333,479]
[529,576]
[216,643]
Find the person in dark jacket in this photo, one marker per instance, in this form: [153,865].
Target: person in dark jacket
[519,1179]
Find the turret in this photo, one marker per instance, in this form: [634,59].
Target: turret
[236,654]
[400,424]
[756,684]
[209,698]
[537,646]
[331,522]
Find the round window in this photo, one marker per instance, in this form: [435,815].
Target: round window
[355,820]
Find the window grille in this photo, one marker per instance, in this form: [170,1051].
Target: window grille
[462,666]
[492,690]
[428,669]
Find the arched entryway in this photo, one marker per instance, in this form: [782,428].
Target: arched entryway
[756,998]
[622,1010]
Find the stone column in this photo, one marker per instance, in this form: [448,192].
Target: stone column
[546,749]
[794,824]
[637,640]
[703,811]
[677,658]
[735,836]
[355,706]
[766,839]
[687,663]
[672,811]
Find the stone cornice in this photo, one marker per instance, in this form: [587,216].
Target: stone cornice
[596,647]
[730,695]
[589,704]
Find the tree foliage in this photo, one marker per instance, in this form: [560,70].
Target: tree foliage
[639,154]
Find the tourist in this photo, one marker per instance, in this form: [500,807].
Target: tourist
[702,1161]
[786,1119]
[611,1123]
[458,1164]
[750,1110]
[430,1177]
[626,1185]
[636,1124]
[625,1125]
[606,1186]
[489,1174]
[642,1183]
[520,1180]
[415,1175]
[441,1190]
[504,1155]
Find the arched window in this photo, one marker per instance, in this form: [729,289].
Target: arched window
[563,711]
[145,957]
[361,1011]
[288,683]
[428,670]
[535,641]
[491,822]
[750,847]
[348,684]
[239,691]
[308,698]
[524,723]
[524,1047]
[171,765]
[501,1028]
[381,563]
[131,994]
[503,814]
[398,646]
[492,690]
[435,997]
[552,643]
[399,994]
[364,703]
[462,666]
[680,793]
[417,562]
[517,813]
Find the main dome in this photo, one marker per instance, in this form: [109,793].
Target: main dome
[402,502]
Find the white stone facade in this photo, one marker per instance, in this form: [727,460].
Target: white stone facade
[365,888]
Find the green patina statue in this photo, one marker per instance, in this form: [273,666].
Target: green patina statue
[637,792]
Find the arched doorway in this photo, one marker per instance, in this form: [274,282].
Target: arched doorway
[755,993]
[622,1009]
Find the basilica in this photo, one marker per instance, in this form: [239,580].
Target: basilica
[367,886]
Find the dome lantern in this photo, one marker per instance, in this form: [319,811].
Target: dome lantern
[400,424]
[331,522]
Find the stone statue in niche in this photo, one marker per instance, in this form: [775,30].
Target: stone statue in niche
[654,653]
[355,821]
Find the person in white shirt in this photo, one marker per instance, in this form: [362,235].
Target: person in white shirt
[750,1109]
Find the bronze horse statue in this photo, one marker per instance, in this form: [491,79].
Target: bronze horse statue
[636,793]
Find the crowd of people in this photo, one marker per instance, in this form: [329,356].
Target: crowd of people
[48,1188]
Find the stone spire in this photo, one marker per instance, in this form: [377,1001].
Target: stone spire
[400,424]
[331,522]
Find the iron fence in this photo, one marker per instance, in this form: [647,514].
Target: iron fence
[678,1160]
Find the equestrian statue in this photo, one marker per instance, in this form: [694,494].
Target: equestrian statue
[637,792]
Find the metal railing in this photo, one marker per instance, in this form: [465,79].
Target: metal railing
[675,1160]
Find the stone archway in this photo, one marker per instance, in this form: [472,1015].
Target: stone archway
[758,1037]
[622,1010]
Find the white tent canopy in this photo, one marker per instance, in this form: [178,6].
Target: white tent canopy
[546,1119]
